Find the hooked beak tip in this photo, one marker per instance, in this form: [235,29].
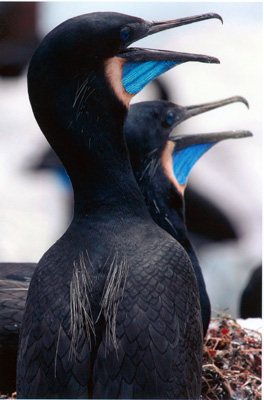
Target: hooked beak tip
[213,60]
[243,100]
[219,17]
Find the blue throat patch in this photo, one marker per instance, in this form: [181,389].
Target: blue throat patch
[139,74]
[184,160]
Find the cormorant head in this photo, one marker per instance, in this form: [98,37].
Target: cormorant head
[151,137]
[147,129]
[95,45]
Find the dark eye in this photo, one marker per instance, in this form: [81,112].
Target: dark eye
[125,33]
[169,118]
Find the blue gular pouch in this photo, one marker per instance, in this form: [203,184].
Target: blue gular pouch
[184,160]
[136,75]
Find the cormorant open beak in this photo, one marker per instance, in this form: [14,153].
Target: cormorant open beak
[184,113]
[143,65]
[189,148]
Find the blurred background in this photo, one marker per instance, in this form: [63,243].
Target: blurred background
[224,189]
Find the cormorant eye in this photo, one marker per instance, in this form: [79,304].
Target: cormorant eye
[125,33]
[169,118]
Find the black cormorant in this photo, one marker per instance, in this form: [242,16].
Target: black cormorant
[161,162]
[113,308]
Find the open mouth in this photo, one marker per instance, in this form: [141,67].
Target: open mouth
[143,65]
[183,151]
[189,148]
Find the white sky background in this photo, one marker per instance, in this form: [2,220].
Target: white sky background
[243,12]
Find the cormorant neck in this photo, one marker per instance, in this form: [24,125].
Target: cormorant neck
[83,120]
[175,204]
[165,203]
[104,176]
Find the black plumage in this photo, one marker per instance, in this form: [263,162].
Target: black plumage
[83,308]
[14,281]
[148,133]
[251,298]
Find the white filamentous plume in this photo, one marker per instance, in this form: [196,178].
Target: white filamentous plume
[113,292]
[81,312]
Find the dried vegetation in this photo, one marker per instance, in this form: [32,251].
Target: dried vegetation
[231,361]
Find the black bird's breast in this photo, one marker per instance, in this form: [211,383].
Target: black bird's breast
[112,323]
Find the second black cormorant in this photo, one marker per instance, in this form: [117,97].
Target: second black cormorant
[113,307]
[161,162]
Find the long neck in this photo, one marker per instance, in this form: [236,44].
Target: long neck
[83,121]
[165,204]
[103,175]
